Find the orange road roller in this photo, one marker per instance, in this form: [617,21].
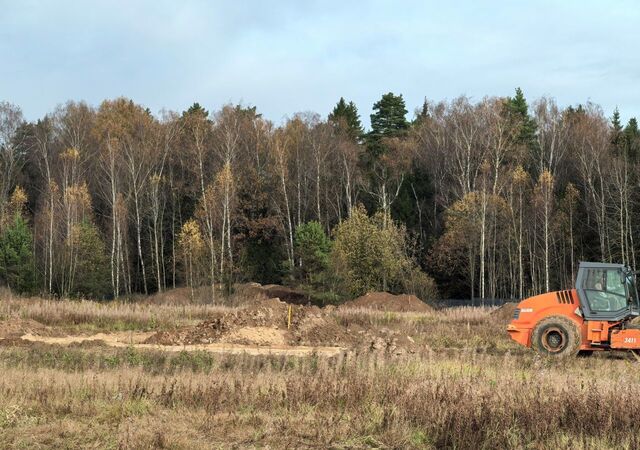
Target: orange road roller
[597,315]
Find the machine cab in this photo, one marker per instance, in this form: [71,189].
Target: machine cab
[607,292]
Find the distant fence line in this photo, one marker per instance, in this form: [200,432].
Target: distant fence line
[453,302]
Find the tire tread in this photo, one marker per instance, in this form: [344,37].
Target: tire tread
[573,336]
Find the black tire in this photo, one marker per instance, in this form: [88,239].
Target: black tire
[556,336]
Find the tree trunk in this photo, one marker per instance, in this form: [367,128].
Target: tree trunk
[139,240]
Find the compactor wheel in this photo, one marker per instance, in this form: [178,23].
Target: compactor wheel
[556,336]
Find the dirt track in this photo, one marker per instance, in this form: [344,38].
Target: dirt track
[136,340]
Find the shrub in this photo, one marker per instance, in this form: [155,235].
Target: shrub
[370,254]
[420,284]
[92,278]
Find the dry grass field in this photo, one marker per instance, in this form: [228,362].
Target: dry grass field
[452,379]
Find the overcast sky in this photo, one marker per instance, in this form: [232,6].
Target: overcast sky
[302,55]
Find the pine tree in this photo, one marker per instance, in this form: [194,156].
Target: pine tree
[312,247]
[16,257]
[615,120]
[345,115]
[388,156]
[518,111]
[422,115]
[389,117]
[196,109]
[632,138]
[616,130]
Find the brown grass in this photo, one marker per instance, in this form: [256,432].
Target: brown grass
[462,401]
[468,387]
[86,315]
[451,328]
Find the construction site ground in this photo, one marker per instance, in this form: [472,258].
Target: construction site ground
[259,326]
[175,371]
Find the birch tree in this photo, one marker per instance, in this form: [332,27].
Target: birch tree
[197,128]
[545,200]
[11,156]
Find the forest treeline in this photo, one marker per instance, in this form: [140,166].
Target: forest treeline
[482,199]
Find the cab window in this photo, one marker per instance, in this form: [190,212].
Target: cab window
[605,289]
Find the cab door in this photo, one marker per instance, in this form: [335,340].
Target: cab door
[603,291]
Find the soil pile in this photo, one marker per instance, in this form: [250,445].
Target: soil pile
[318,328]
[383,301]
[284,293]
[505,312]
[15,327]
[182,296]
[242,325]
[265,323]
[178,296]
[264,336]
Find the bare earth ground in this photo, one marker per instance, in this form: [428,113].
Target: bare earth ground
[268,344]
[173,373]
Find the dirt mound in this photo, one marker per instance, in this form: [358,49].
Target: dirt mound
[256,336]
[271,313]
[266,323]
[318,329]
[243,293]
[286,294]
[15,327]
[258,324]
[505,312]
[180,296]
[383,301]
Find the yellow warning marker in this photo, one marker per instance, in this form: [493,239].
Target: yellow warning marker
[289,319]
